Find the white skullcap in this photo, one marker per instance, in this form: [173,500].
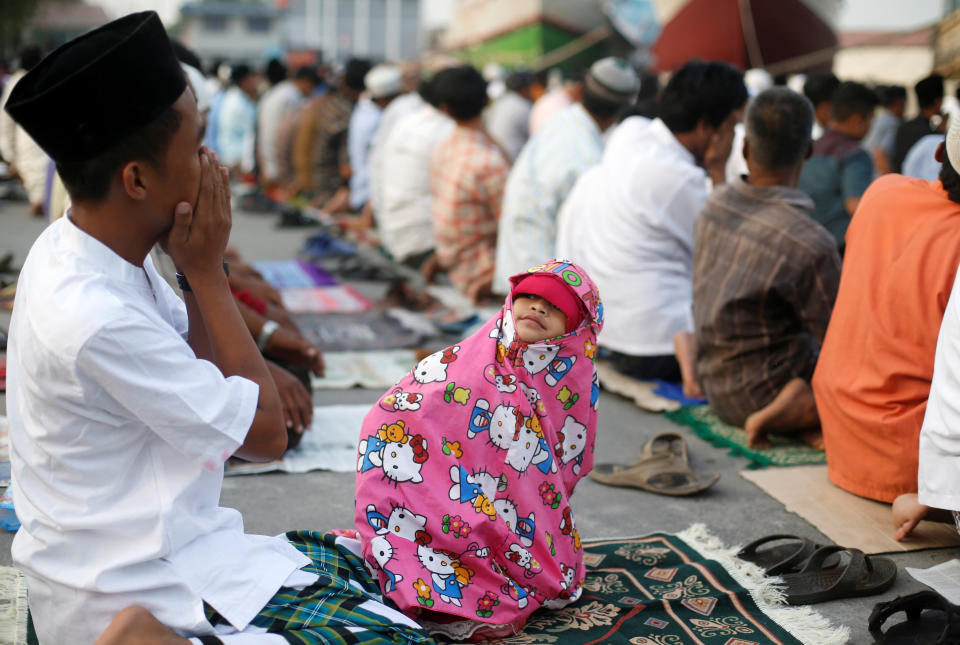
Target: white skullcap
[952,144]
[199,84]
[383,81]
[613,79]
[757,80]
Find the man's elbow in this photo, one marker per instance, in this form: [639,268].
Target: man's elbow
[267,439]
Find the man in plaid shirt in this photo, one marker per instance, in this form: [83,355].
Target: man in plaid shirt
[467,175]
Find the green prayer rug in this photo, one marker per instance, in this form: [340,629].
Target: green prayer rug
[666,589]
[706,425]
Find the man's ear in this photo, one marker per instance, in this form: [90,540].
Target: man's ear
[134,184]
[939,154]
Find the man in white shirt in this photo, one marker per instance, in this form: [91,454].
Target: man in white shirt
[125,403]
[404,219]
[383,84]
[549,165]
[238,119]
[276,106]
[508,118]
[629,221]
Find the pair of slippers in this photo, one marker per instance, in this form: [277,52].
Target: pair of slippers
[813,573]
[931,618]
[663,468]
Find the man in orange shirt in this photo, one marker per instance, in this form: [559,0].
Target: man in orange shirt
[873,375]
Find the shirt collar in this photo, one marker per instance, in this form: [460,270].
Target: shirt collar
[101,257]
[660,131]
[580,113]
[789,196]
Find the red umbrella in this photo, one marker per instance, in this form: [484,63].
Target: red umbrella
[745,33]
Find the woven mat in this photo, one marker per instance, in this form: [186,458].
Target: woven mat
[666,589]
[785,451]
[843,517]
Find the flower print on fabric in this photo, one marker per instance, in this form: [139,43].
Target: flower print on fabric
[466,468]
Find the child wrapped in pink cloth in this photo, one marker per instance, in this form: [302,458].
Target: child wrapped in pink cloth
[466,467]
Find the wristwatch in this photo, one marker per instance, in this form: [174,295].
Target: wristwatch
[266,332]
[185,286]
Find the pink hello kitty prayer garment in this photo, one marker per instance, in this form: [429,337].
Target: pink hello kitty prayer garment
[466,468]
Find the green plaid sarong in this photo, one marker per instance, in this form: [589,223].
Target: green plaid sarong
[339,608]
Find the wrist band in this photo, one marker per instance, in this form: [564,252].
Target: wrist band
[266,332]
[185,286]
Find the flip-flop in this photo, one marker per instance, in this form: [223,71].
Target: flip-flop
[788,555]
[666,443]
[932,628]
[664,474]
[862,575]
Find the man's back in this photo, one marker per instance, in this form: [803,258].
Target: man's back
[764,280]
[873,376]
[908,134]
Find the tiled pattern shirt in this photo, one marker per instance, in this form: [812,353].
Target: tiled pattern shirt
[765,277]
[467,176]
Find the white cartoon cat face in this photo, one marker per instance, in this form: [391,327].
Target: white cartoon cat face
[503,424]
[522,451]
[435,561]
[531,394]
[487,483]
[382,550]
[400,461]
[568,573]
[404,523]
[536,358]
[573,440]
[507,511]
[433,368]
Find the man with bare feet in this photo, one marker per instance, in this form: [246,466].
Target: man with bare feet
[125,401]
[765,276]
[877,362]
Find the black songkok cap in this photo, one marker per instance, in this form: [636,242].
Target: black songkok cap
[96,90]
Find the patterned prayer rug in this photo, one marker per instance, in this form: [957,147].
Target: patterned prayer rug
[785,452]
[681,589]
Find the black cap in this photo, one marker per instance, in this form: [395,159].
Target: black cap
[94,91]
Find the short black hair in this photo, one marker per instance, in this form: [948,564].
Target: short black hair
[307,73]
[354,73]
[520,80]
[29,57]
[425,90]
[701,90]
[276,71]
[779,122]
[890,94]
[820,86]
[601,107]
[239,72]
[928,90]
[950,178]
[462,90]
[852,98]
[89,180]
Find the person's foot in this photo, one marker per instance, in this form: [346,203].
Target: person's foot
[137,626]
[907,512]
[793,410]
[684,347]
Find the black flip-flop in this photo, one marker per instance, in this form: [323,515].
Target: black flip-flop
[862,575]
[788,556]
[940,626]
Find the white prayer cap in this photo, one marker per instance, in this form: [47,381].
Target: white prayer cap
[757,80]
[613,79]
[952,144]
[383,81]
[199,84]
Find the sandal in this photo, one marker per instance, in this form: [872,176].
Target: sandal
[663,468]
[914,627]
[862,575]
[787,557]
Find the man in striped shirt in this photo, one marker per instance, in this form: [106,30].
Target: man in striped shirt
[765,277]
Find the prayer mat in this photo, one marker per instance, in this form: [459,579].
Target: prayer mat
[666,589]
[339,298]
[329,444]
[363,331]
[287,274]
[374,370]
[13,608]
[706,425]
[642,393]
[843,517]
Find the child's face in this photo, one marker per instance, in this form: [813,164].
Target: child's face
[536,319]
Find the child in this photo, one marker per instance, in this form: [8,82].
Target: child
[466,467]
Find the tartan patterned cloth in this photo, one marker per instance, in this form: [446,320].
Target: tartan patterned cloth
[467,176]
[344,606]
